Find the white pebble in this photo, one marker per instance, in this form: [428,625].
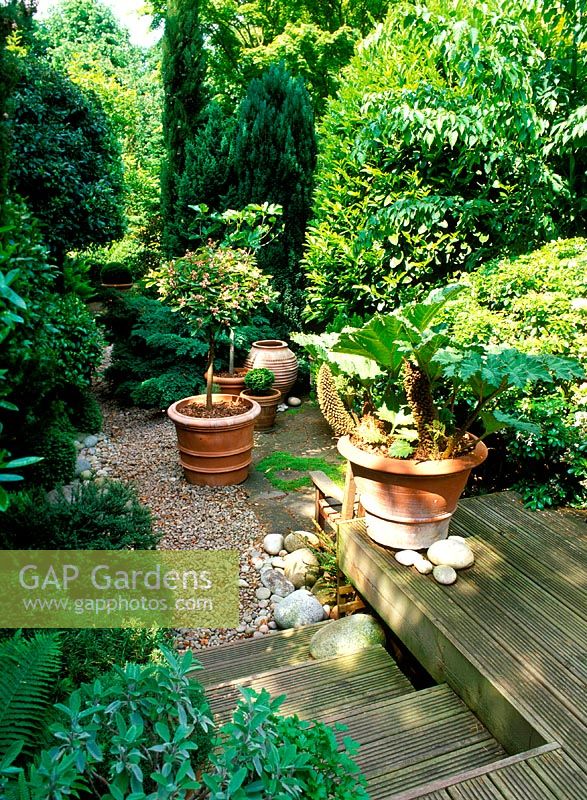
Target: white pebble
[451,553]
[424,566]
[273,543]
[444,575]
[294,402]
[407,557]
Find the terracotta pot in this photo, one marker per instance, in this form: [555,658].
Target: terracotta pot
[231,384]
[122,287]
[268,403]
[408,504]
[275,355]
[217,451]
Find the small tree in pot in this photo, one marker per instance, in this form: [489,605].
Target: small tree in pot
[214,287]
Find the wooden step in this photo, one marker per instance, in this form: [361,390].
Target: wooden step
[245,657]
[407,739]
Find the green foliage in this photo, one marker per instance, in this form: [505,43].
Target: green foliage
[535,301]
[116,273]
[85,414]
[282,462]
[57,449]
[56,132]
[182,72]
[88,517]
[314,40]
[273,158]
[155,359]
[139,731]
[265,754]
[89,652]
[259,380]
[29,668]
[432,158]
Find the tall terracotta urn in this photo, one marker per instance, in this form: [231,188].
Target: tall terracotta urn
[215,451]
[274,354]
[408,504]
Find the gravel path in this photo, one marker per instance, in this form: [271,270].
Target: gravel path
[140,447]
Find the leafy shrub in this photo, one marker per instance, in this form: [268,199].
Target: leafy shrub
[116,273]
[140,730]
[92,517]
[57,449]
[265,754]
[89,652]
[57,131]
[431,159]
[537,301]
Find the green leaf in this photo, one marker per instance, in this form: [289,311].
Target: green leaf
[399,448]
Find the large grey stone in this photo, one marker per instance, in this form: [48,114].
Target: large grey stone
[296,540]
[294,402]
[451,553]
[90,441]
[298,609]
[81,465]
[302,568]
[276,582]
[346,635]
[273,543]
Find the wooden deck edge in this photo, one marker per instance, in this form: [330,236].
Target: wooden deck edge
[476,772]
[439,653]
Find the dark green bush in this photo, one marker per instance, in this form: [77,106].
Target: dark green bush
[259,381]
[116,273]
[90,517]
[57,449]
[84,412]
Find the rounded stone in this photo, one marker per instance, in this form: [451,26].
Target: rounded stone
[82,465]
[302,568]
[444,575]
[407,557]
[451,553]
[294,402]
[458,539]
[263,593]
[86,475]
[346,635]
[243,584]
[298,609]
[273,543]
[424,566]
[296,540]
[278,562]
[277,582]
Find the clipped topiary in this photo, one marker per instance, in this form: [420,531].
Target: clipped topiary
[259,381]
[57,449]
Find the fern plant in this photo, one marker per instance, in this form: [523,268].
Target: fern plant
[29,668]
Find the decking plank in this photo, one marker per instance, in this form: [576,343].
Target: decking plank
[398,594]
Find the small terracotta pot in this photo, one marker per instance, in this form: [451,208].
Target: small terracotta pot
[216,451]
[268,403]
[408,504]
[274,354]
[231,384]
[122,287]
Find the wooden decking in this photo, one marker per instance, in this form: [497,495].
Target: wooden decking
[510,637]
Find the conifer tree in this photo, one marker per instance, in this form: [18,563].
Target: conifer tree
[273,158]
[183,74]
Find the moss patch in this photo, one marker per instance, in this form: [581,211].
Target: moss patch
[276,467]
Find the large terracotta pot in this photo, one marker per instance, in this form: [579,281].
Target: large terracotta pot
[266,419]
[275,355]
[231,384]
[408,504]
[217,451]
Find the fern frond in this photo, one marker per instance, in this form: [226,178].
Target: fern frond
[28,668]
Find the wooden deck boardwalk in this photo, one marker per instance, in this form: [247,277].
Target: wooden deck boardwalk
[510,638]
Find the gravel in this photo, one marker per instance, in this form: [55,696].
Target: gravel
[140,447]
